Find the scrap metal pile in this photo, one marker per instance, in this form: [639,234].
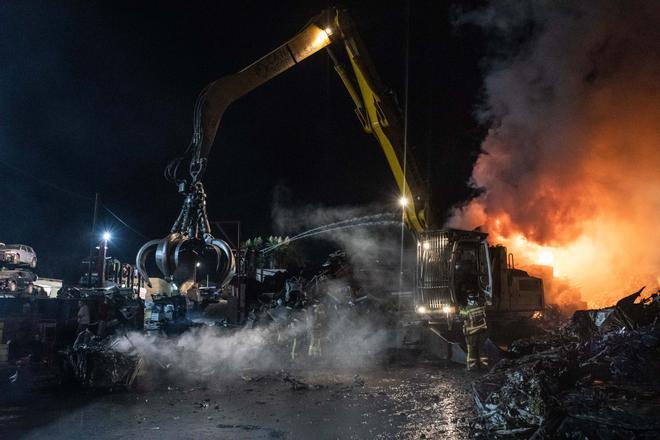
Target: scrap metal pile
[93,363]
[14,282]
[340,279]
[334,285]
[595,376]
[123,308]
[325,305]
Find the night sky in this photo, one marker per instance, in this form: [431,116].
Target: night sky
[98,97]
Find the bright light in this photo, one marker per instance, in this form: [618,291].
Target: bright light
[198,264]
[106,236]
[321,39]
[426,245]
[421,309]
[447,309]
[403,201]
[545,257]
[328,30]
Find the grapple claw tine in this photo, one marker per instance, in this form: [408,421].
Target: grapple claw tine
[141,258]
[164,254]
[178,254]
[222,246]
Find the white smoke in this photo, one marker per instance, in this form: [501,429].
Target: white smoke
[348,340]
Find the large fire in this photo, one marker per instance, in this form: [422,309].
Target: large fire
[593,270]
[571,164]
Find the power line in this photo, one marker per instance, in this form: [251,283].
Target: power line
[44,182]
[122,221]
[71,193]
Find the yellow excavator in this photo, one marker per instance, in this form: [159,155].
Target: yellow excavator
[450,262]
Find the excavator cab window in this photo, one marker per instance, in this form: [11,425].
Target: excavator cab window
[466,273]
[485,274]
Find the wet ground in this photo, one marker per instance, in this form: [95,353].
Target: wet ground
[429,400]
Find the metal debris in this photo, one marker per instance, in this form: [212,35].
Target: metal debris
[593,377]
[94,364]
[297,384]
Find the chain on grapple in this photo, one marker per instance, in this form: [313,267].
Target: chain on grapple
[189,242]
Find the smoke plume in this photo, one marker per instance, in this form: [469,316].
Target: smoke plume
[212,353]
[570,168]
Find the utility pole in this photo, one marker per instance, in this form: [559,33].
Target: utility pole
[100,263]
[91,246]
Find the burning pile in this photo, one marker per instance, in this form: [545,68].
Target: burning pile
[569,170]
[595,377]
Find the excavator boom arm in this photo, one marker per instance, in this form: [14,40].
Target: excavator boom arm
[380,116]
[376,105]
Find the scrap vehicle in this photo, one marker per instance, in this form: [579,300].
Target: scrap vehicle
[17,255]
[450,262]
[16,281]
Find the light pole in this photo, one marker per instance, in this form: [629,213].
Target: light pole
[197,264]
[91,246]
[103,250]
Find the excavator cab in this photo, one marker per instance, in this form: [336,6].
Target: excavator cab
[451,264]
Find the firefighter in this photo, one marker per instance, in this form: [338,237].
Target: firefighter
[474,329]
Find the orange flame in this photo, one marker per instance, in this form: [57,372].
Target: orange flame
[571,166]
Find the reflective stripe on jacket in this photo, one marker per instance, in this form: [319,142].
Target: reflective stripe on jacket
[475,320]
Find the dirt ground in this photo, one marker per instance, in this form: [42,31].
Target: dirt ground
[424,400]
